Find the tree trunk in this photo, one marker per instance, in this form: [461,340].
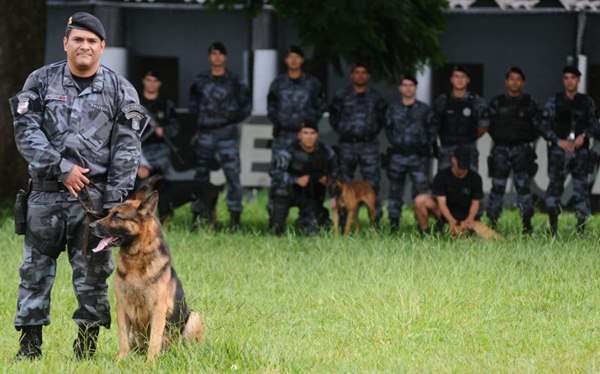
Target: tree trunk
[22,45]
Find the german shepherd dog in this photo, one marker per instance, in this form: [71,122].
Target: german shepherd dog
[151,307]
[347,198]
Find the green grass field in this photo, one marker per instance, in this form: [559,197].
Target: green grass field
[371,302]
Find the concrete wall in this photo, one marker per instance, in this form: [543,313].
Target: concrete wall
[539,44]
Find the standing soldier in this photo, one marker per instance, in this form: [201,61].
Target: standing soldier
[570,119]
[164,123]
[460,118]
[514,125]
[220,102]
[300,179]
[76,125]
[357,114]
[294,97]
[411,136]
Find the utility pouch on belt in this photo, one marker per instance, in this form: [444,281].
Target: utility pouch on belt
[385,158]
[490,163]
[21,209]
[533,165]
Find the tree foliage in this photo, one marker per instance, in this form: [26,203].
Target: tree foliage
[22,45]
[392,37]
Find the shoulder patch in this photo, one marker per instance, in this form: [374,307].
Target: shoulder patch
[135,113]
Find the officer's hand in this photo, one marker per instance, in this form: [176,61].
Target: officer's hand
[455,229]
[303,180]
[579,141]
[323,180]
[159,131]
[566,145]
[467,224]
[76,180]
[143,172]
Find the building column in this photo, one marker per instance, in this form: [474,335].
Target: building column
[115,54]
[265,60]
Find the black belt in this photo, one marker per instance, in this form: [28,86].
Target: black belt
[43,185]
[424,150]
[357,139]
[512,144]
[47,186]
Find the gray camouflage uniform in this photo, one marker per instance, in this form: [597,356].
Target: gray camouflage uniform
[358,118]
[219,103]
[411,135]
[56,127]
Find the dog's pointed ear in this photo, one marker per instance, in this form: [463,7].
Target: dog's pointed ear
[140,194]
[148,206]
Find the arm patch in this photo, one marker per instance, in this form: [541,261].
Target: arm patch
[135,115]
[24,102]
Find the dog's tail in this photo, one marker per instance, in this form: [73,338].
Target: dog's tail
[194,328]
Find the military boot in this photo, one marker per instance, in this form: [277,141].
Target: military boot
[394,224]
[87,338]
[235,220]
[580,227]
[553,220]
[527,228]
[30,343]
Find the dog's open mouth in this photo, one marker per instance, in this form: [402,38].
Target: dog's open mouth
[105,243]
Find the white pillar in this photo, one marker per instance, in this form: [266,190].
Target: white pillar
[424,87]
[582,65]
[265,70]
[116,59]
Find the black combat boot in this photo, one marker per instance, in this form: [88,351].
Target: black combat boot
[394,224]
[553,219]
[234,220]
[87,338]
[527,228]
[493,223]
[580,226]
[30,343]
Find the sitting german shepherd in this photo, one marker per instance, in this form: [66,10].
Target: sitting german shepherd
[347,199]
[150,299]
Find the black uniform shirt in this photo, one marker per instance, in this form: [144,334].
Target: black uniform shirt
[459,192]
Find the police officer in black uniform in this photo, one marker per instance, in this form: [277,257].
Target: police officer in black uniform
[460,119]
[514,125]
[570,121]
[299,178]
[163,123]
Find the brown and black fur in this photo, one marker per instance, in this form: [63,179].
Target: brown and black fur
[151,307]
[348,198]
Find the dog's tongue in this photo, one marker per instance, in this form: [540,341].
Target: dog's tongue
[104,243]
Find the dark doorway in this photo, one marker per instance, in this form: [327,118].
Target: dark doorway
[441,78]
[593,83]
[167,67]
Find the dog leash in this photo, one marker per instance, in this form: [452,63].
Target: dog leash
[91,214]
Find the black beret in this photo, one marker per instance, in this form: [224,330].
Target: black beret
[571,70]
[88,22]
[409,77]
[460,69]
[515,70]
[309,125]
[295,49]
[217,46]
